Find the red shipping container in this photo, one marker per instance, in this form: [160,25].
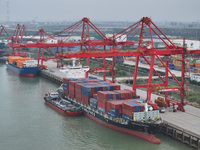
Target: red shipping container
[154,105]
[141,106]
[78,96]
[101,104]
[114,95]
[66,80]
[108,106]
[71,93]
[95,96]
[116,86]
[92,80]
[102,94]
[127,112]
[72,89]
[116,105]
[78,92]
[92,89]
[103,100]
[128,94]
[104,87]
[123,96]
[92,83]
[128,107]
[66,92]
[78,86]
[86,100]
[133,92]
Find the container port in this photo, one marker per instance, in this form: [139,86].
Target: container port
[184,129]
[108,100]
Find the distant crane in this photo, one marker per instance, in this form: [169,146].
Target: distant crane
[2,28]
[17,38]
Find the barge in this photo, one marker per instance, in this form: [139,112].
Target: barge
[62,106]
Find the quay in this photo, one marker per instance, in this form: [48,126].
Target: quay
[182,126]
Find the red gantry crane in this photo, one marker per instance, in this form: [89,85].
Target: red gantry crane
[17,38]
[92,47]
[147,48]
[84,28]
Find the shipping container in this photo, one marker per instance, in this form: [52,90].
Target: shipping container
[124,116]
[154,105]
[101,104]
[101,109]
[86,100]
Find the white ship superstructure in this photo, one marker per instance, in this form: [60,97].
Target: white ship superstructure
[75,71]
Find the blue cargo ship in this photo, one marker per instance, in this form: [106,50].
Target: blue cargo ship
[23,66]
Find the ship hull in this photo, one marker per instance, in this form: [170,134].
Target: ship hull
[149,137]
[63,112]
[25,72]
[143,130]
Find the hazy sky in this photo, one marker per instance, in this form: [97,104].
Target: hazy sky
[101,10]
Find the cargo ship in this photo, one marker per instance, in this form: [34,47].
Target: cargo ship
[2,52]
[62,106]
[108,105]
[75,71]
[23,66]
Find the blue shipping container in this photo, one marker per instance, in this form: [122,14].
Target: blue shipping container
[115,113]
[137,106]
[127,117]
[93,106]
[109,113]
[118,95]
[101,109]
[93,101]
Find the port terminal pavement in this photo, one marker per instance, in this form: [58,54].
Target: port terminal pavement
[187,121]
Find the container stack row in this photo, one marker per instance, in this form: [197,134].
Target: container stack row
[17,60]
[105,97]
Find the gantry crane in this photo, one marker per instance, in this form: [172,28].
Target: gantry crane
[97,48]
[17,38]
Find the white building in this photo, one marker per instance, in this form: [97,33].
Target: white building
[190,44]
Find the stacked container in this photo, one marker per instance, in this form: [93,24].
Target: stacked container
[114,109]
[17,60]
[66,85]
[72,89]
[93,103]
[128,109]
[124,94]
[132,92]
[78,92]
[103,96]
